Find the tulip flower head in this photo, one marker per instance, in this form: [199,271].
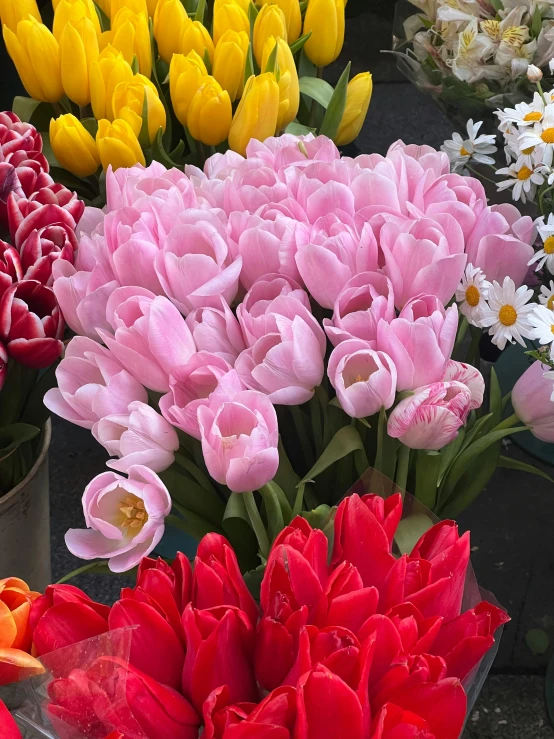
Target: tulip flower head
[186,76]
[118,144]
[257,112]
[293,17]
[287,78]
[130,35]
[16,663]
[195,37]
[105,74]
[230,60]
[325,20]
[270,21]
[229,15]
[170,21]
[129,101]
[78,50]
[358,97]
[73,11]
[13,11]
[210,114]
[74,147]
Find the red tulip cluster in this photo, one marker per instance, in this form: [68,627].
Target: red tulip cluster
[362,644]
[41,217]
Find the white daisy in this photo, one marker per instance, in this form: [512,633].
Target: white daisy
[523,114]
[472,294]
[545,256]
[546,296]
[507,314]
[523,180]
[477,148]
[542,322]
[541,136]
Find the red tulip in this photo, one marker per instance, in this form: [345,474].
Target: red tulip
[38,208]
[345,601]
[10,267]
[218,580]
[273,718]
[219,714]
[395,723]
[112,693]
[9,183]
[311,543]
[362,540]
[3,364]
[8,727]
[65,615]
[403,673]
[465,640]
[220,647]
[16,135]
[156,648]
[31,324]
[31,173]
[416,633]
[56,194]
[179,573]
[42,247]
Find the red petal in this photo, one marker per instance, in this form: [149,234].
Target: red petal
[65,624]
[35,353]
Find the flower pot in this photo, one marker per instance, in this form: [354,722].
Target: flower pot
[25,524]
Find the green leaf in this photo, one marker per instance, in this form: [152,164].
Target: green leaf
[536,24]
[346,441]
[207,61]
[495,398]
[91,125]
[249,65]
[428,466]
[286,478]
[303,6]
[306,68]
[297,129]
[335,109]
[236,524]
[316,89]
[385,455]
[480,426]
[98,567]
[103,18]
[515,464]
[135,64]
[190,523]
[24,107]
[252,15]
[410,530]
[299,43]
[323,518]
[537,640]
[470,485]
[11,437]
[144,135]
[35,412]
[159,153]
[275,518]
[186,491]
[200,11]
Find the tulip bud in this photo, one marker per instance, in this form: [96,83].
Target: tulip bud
[289,89]
[170,20]
[13,11]
[118,145]
[230,60]
[210,113]
[229,16]
[36,55]
[325,19]
[130,34]
[105,74]
[534,74]
[135,6]
[196,38]
[128,103]
[270,21]
[293,16]
[244,4]
[358,97]
[257,112]
[186,75]
[73,146]
[78,49]
[152,5]
[71,11]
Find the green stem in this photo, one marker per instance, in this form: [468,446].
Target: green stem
[462,331]
[257,523]
[481,175]
[298,419]
[512,420]
[313,109]
[403,467]
[381,431]
[195,471]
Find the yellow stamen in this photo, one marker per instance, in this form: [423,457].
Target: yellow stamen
[528,151]
[552,328]
[533,116]
[548,135]
[464,152]
[549,245]
[472,296]
[507,315]
[133,514]
[550,302]
[524,173]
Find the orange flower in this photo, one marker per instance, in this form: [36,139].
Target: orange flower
[15,632]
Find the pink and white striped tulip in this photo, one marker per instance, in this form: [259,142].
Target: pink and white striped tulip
[469,376]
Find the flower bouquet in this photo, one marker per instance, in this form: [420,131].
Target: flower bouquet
[472,57]
[127,82]
[254,335]
[347,640]
[38,219]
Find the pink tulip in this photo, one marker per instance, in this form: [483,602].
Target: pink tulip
[135,185]
[194,266]
[194,385]
[336,253]
[423,256]
[221,165]
[280,151]
[151,336]
[365,300]
[287,364]
[269,297]
[252,185]
[239,440]
[216,330]
[419,341]
[469,376]
[91,384]
[532,401]
[140,436]
[365,380]
[431,417]
[124,516]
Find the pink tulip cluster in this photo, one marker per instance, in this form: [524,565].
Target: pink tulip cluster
[362,644]
[41,218]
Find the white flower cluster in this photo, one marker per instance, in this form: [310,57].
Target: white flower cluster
[481,40]
[506,311]
[475,148]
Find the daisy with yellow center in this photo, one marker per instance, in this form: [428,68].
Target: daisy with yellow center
[523,115]
[545,257]
[542,322]
[523,180]
[507,313]
[546,296]
[475,148]
[541,136]
[472,294]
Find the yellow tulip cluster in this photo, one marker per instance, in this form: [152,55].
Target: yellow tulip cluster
[236,83]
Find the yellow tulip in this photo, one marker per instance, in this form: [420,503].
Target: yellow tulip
[36,55]
[186,76]
[325,19]
[257,112]
[72,11]
[210,113]
[105,74]
[244,4]
[128,102]
[135,6]
[151,5]
[78,50]
[289,88]
[196,38]
[293,16]
[358,97]
[130,34]
[270,22]
[229,62]
[73,146]
[105,6]
[229,16]
[13,11]
[170,21]
[117,145]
